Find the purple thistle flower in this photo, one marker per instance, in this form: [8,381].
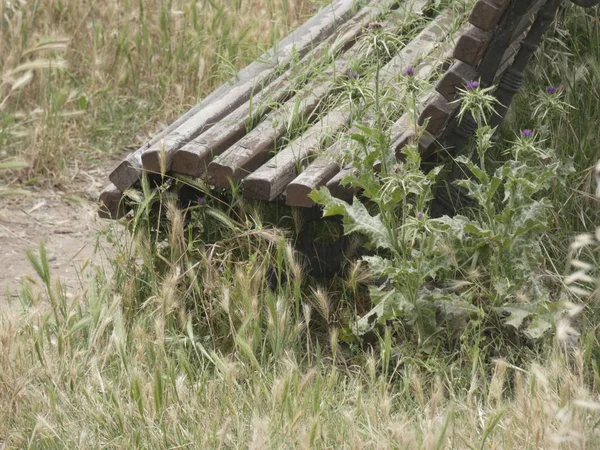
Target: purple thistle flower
[409,72]
[352,75]
[201,200]
[527,133]
[420,215]
[471,85]
[551,90]
[220,269]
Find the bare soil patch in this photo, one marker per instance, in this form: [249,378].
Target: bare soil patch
[65,221]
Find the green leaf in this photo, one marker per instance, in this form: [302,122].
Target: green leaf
[331,206]
[8,165]
[379,266]
[389,305]
[360,138]
[424,317]
[452,307]
[356,218]
[537,329]
[495,183]
[514,316]
[369,132]
[477,230]
[359,220]
[532,217]
[481,176]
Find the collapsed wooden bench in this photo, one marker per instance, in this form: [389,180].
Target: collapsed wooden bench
[282,127]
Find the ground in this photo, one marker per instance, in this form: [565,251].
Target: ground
[65,220]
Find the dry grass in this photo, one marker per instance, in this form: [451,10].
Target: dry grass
[86,374]
[83,79]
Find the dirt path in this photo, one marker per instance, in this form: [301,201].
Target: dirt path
[67,224]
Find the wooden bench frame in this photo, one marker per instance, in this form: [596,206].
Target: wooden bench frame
[212,140]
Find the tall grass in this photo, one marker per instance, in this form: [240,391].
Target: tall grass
[90,79]
[91,374]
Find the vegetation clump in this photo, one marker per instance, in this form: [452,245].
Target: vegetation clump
[210,330]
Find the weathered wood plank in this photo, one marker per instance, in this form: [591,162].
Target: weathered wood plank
[436,113]
[418,48]
[271,179]
[424,140]
[456,79]
[251,151]
[326,169]
[229,96]
[337,189]
[486,14]
[110,205]
[471,46]
[319,172]
[193,158]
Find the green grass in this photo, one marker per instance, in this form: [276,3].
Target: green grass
[210,332]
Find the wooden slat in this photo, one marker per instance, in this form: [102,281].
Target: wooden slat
[110,203]
[424,140]
[486,14]
[325,169]
[455,79]
[193,158]
[314,176]
[227,97]
[252,150]
[471,46]
[271,179]
[437,113]
[337,189]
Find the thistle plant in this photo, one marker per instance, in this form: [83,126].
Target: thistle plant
[401,233]
[549,103]
[501,237]
[478,101]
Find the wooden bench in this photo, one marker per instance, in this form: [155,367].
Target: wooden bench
[240,134]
